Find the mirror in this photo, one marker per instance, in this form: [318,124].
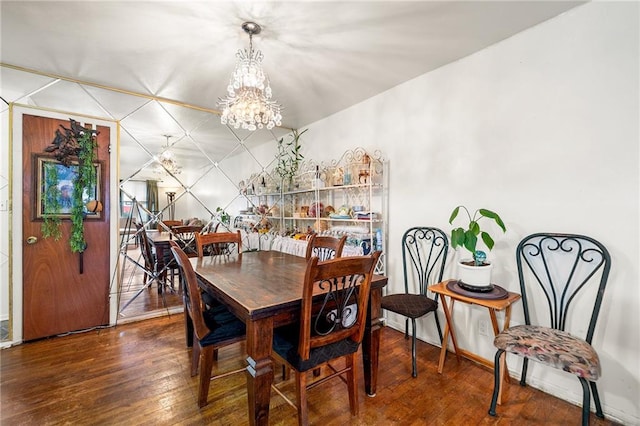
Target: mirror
[212,159]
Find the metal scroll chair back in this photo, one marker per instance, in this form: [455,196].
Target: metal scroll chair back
[212,328]
[325,247]
[562,281]
[424,254]
[329,327]
[218,243]
[562,265]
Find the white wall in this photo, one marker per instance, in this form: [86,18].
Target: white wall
[543,129]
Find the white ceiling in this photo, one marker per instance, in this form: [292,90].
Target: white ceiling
[321,57]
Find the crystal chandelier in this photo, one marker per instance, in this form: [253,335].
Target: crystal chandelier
[248,102]
[166,161]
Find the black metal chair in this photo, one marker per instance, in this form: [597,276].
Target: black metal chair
[329,329]
[424,254]
[556,270]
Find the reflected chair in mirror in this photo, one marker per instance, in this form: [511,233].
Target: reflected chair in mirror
[329,329]
[217,243]
[213,328]
[185,236]
[562,281]
[325,247]
[166,225]
[424,254]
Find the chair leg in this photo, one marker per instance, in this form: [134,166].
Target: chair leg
[195,356]
[206,359]
[301,398]
[414,367]
[406,328]
[523,377]
[496,382]
[596,400]
[435,315]
[586,401]
[352,383]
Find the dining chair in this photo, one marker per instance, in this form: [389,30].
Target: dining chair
[562,281]
[424,254]
[213,328]
[186,237]
[324,247]
[166,225]
[216,243]
[328,329]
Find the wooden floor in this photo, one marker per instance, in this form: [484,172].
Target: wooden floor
[135,304]
[137,373]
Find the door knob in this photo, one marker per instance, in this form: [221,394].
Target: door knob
[32,240]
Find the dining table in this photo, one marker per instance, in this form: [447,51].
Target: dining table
[264,290]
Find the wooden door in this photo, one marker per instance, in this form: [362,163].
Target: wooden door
[57,298]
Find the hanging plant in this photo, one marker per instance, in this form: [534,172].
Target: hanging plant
[51,202]
[76,142]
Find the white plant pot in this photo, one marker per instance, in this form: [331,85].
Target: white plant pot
[476,276]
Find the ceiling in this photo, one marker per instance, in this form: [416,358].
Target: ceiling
[321,57]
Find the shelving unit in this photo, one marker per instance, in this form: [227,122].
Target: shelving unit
[325,198]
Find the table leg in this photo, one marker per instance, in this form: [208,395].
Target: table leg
[371,342]
[259,369]
[445,337]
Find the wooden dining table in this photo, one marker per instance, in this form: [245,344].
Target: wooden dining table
[264,289]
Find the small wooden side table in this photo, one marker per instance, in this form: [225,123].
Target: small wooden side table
[492,305]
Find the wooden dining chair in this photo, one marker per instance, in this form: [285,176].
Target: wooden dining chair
[213,328]
[562,281]
[324,247]
[216,243]
[329,329]
[424,254]
[166,225]
[185,235]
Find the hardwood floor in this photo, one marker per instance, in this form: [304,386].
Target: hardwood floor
[138,373]
[135,304]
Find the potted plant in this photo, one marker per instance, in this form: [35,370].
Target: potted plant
[474,272]
[289,157]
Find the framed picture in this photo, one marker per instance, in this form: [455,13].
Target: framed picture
[54,180]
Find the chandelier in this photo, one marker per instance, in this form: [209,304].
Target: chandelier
[166,161]
[248,102]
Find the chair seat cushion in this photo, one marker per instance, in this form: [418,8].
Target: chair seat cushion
[552,347]
[409,305]
[222,324]
[285,344]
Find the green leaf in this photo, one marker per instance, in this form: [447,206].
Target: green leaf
[454,214]
[457,237]
[492,215]
[474,228]
[488,241]
[470,241]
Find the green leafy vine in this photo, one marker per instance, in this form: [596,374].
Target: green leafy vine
[51,203]
[76,141]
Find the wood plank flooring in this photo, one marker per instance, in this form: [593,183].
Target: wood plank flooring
[138,374]
[148,303]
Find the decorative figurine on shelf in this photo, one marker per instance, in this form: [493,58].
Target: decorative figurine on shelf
[363,175]
[338,176]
